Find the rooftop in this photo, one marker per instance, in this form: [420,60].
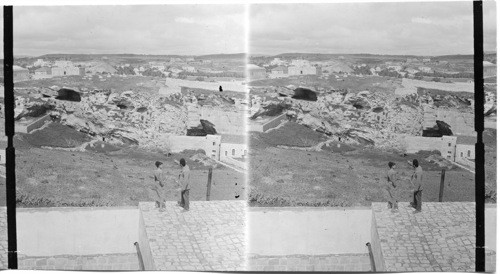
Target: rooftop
[233,139]
[466,140]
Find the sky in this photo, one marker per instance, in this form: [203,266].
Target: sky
[159,29]
[418,28]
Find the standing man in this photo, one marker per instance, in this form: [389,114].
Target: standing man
[391,187]
[159,187]
[416,181]
[184,184]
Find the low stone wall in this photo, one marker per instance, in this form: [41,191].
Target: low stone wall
[274,122]
[144,246]
[128,261]
[43,232]
[376,247]
[334,262]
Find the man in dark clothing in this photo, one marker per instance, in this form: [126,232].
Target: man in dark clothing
[416,181]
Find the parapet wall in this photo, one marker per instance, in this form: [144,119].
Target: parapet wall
[76,231]
[147,257]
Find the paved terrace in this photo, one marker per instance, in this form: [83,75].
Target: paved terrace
[440,238]
[208,237]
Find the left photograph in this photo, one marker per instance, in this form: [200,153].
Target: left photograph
[130,137]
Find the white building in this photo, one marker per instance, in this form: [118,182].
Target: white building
[302,70]
[65,71]
[63,63]
[278,72]
[396,68]
[425,69]
[189,68]
[212,147]
[40,63]
[233,146]
[300,62]
[277,62]
[466,150]
[446,145]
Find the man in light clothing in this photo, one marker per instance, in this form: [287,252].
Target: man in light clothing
[159,186]
[184,184]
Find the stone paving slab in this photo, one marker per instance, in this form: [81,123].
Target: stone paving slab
[3,238]
[333,262]
[440,238]
[208,237]
[84,262]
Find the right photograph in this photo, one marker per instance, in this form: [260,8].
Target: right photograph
[362,139]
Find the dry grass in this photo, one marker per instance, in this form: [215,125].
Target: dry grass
[286,177]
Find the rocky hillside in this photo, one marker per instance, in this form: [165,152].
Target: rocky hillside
[357,117]
[125,117]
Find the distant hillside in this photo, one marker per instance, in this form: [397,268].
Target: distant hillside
[455,57]
[336,55]
[223,56]
[128,55]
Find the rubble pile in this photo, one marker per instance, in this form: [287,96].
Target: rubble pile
[361,117]
[118,117]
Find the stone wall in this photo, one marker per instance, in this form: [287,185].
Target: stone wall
[376,247]
[123,262]
[274,122]
[147,257]
[333,262]
[43,232]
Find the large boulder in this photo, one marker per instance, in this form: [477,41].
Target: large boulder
[441,128]
[305,94]
[35,111]
[359,102]
[66,94]
[208,127]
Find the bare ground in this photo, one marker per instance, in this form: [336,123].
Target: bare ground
[353,176]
